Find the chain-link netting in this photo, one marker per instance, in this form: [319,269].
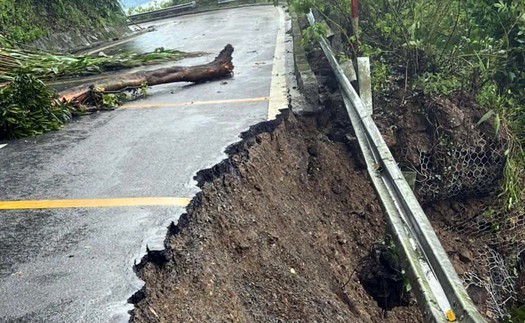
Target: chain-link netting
[465,162]
[497,291]
[453,171]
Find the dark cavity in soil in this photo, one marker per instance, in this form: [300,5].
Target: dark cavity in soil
[383,277]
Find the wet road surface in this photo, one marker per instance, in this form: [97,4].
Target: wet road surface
[75,264]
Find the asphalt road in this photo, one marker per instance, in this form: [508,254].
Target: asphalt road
[74,264]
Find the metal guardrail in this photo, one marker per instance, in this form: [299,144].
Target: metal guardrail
[163,12]
[436,285]
[226,1]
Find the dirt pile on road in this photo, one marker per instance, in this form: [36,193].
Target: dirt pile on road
[282,231]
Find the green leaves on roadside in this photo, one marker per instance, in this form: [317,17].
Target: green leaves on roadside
[28,108]
[48,66]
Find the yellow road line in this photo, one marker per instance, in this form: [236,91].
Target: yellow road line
[60,204]
[181,104]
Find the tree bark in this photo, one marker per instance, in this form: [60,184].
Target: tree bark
[220,67]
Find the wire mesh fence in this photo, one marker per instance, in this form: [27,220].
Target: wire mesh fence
[455,170]
[451,172]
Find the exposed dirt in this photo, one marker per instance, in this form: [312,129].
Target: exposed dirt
[288,227]
[275,236]
[458,165]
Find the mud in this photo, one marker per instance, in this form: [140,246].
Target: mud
[277,235]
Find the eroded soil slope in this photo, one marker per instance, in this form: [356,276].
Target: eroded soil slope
[274,236]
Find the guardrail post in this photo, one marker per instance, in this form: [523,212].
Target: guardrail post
[349,70]
[365,82]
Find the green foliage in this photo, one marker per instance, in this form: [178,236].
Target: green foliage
[437,83]
[390,252]
[336,13]
[47,66]
[507,110]
[303,6]
[26,20]
[144,89]
[475,46]
[381,74]
[514,173]
[469,39]
[314,32]
[110,100]
[105,100]
[28,108]
[517,315]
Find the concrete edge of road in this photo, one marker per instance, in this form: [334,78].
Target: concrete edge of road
[279,83]
[306,79]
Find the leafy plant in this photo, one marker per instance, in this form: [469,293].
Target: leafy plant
[28,108]
[314,32]
[517,315]
[48,65]
[143,89]
[437,84]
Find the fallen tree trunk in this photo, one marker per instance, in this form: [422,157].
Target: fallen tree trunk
[220,67]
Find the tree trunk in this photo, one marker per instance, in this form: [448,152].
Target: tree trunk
[221,66]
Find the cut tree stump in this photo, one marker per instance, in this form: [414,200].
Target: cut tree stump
[220,67]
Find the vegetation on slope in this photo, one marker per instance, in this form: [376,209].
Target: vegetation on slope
[476,47]
[27,20]
[152,6]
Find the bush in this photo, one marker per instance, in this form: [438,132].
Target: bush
[28,108]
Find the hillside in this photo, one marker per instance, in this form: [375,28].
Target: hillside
[28,20]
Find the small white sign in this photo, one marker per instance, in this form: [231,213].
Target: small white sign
[2,145]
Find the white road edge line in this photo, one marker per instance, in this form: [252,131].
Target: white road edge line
[2,145]
[278,91]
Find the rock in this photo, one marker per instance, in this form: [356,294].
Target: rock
[447,114]
[466,255]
